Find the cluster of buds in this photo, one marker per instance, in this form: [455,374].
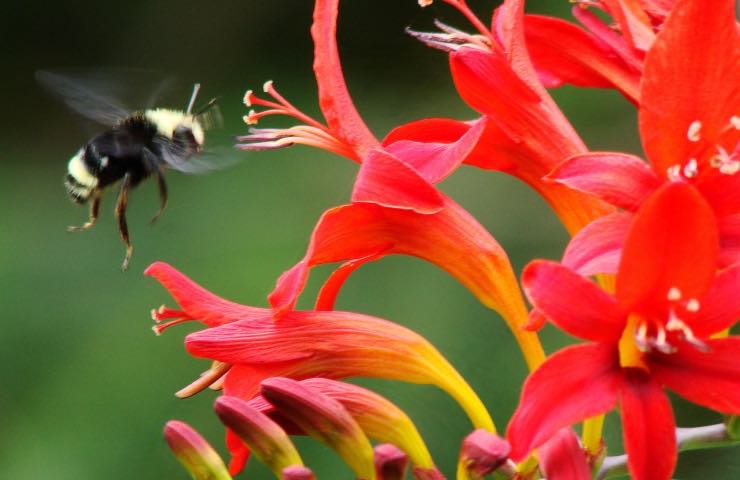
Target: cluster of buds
[650,280]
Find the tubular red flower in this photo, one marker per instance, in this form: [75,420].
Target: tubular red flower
[661,293]
[304,344]
[687,118]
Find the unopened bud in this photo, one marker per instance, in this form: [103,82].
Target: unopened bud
[483,453]
[194,452]
[297,472]
[390,462]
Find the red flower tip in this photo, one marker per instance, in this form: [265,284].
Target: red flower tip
[265,438]
[390,462]
[194,452]
[296,472]
[483,453]
[324,419]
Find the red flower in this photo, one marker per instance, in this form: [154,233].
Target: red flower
[249,345]
[655,331]
[601,55]
[689,121]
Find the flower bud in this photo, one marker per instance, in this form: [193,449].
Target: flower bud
[194,452]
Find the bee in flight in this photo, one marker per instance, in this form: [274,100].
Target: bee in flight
[135,146]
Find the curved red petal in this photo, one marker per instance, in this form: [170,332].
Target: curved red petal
[699,85]
[334,98]
[648,428]
[618,178]
[562,457]
[710,379]
[385,180]
[572,302]
[436,160]
[597,248]
[672,229]
[720,307]
[573,384]
[721,191]
[562,53]
[328,294]
[197,302]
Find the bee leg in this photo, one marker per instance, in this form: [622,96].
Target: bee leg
[162,195]
[121,204]
[94,210]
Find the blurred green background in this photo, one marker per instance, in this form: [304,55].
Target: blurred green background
[86,386]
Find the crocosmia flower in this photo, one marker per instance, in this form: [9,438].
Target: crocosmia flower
[689,118]
[654,332]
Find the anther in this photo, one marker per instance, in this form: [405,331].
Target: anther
[425,3]
[674,173]
[641,339]
[691,169]
[693,133]
[693,305]
[674,294]
[735,122]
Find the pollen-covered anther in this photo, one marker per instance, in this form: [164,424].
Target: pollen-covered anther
[674,173]
[691,169]
[693,305]
[674,294]
[660,341]
[248,98]
[735,122]
[726,164]
[425,3]
[164,312]
[641,337]
[675,324]
[694,131]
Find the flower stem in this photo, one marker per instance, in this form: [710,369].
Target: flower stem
[710,436]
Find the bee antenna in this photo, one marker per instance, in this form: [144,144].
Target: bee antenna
[207,106]
[196,89]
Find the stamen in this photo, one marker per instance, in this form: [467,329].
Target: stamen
[641,339]
[425,3]
[674,173]
[675,324]
[158,329]
[693,133]
[163,313]
[207,378]
[660,341]
[674,294]
[312,133]
[691,169]
[735,122]
[693,305]
[725,162]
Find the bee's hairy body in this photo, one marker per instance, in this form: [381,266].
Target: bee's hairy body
[133,148]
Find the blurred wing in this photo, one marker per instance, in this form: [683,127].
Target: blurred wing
[176,157]
[106,95]
[96,106]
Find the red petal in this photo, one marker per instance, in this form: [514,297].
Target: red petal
[720,307]
[451,239]
[672,229]
[563,53]
[575,383]
[488,152]
[562,457]
[610,39]
[336,103]
[620,179]
[572,302]
[701,84]
[197,302]
[598,247]
[386,180]
[328,294]
[721,191]
[648,428]
[729,240]
[710,379]
[436,160]
[633,22]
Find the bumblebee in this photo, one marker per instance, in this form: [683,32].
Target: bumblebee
[135,146]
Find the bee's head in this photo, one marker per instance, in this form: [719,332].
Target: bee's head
[79,182]
[182,128]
